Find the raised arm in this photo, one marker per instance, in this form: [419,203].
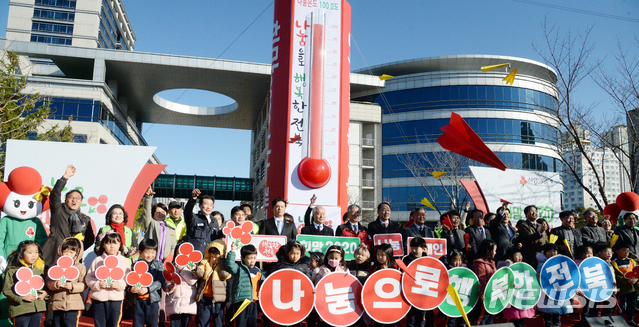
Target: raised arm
[188,209]
[147,216]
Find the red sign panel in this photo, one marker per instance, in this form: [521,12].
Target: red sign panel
[394,240]
[382,297]
[429,287]
[287,297]
[436,246]
[339,299]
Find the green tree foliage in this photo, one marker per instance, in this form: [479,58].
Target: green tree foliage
[20,117]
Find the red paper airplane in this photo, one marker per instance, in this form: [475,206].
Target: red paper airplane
[467,240]
[458,137]
[505,201]
[446,221]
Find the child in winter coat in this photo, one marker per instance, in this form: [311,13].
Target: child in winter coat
[333,261]
[181,299]
[211,293]
[317,258]
[146,300]
[246,279]
[24,310]
[361,266]
[67,299]
[628,287]
[552,309]
[514,315]
[415,317]
[484,268]
[107,297]
[292,256]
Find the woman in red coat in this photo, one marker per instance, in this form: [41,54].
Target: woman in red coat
[484,267]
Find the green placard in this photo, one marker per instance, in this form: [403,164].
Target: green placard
[499,291]
[314,243]
[467,285]
[527,289]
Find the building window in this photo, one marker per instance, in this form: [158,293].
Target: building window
[50,39]
[56,3]
[52,28]
[53,14]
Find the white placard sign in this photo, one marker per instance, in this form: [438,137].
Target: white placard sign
[522,188]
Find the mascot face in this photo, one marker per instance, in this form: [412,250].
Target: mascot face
[22,206]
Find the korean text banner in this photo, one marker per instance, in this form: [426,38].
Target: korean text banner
[314,243]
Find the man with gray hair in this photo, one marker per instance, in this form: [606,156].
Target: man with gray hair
[317,227]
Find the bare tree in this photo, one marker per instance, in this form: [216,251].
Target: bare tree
[423,164]
[570,56]
[622,85]
[22,115]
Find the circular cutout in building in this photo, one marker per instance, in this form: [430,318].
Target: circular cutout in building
[195,102]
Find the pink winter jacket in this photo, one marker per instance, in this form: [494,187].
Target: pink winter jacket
[182,299]
[108,294]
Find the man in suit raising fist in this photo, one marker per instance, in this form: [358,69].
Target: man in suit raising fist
[278,225]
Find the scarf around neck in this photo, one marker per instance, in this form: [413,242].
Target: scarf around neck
[120,229]
[75,223]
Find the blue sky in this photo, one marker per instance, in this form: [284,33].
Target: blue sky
[382,32]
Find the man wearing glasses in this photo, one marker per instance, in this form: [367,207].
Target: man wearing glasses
[353,228]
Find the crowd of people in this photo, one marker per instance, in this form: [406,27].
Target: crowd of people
[214,290]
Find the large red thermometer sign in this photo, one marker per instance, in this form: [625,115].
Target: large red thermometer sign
[314,171]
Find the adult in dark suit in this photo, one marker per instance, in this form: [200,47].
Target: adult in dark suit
[353,228]
[317,227]
[383,224]
[532,235]
[591,234]
[278,225]
[418,229]
[477,233]
[503,232]
[568,238]
[628,234]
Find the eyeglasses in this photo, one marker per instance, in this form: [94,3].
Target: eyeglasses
[74,198]
[117,214]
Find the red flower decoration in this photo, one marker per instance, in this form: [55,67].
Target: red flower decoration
[242,234]
[139,276]
[170,274]
[110,271]
[634,273]
[188,255]
[30,232]
[64,271]
[27,283]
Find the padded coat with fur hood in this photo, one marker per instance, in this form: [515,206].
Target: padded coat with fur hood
[205,270]
[181,300]
[73,299]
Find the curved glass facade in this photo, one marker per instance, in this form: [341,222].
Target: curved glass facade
[466,97]
[500,101]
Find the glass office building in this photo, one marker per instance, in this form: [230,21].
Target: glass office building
[516,122]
